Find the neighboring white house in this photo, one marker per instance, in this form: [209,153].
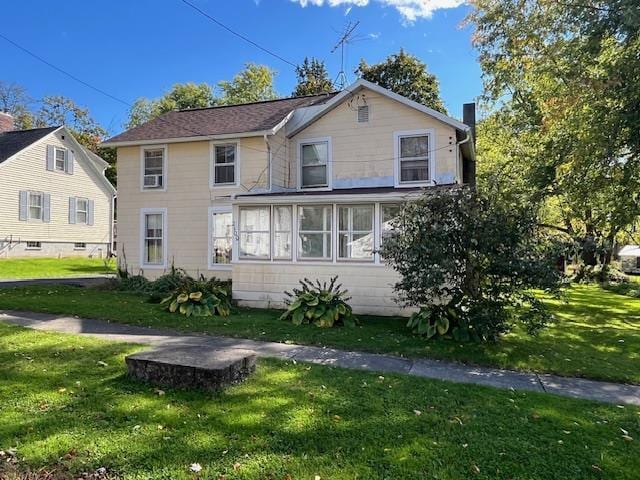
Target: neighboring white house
[54,198]
[271,192]
[630,258]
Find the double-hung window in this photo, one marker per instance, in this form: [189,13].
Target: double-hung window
[153,168]
[221,237]
[60,159]
[355,232]
[224,164]
[153,223]
[413,158]
[254,232]
[315,226]
[35,205]
[282,223]
[314,164]
[82,210]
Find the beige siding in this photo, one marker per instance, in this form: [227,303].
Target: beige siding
[364,152]
[187,199]
[263,284]
[28,172]
[280,166]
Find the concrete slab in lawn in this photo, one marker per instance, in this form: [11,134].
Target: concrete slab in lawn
[441,370]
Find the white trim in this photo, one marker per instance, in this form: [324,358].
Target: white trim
[350,231]
[210,264]
[431,134]
[240,231]
[86,218]
[165,163]
[236,165]
[390,197]
[195,138]
[361,83]
[331,258]
[65,151]
[29,217]
[308,141]
[165,237]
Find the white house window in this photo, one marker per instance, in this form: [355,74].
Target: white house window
[153,239]
[254,232]
[314,160]
[388,212]
[413,156]
[153,168]
[224,164]
[282,223]
[355,232]
[82,210]
[221,238]
[314,230]
[60,159]
[35,205]
[79,246]
[34,245]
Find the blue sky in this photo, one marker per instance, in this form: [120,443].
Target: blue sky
[141,47]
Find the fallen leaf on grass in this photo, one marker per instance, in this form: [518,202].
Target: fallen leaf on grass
[195,467]
[102,364]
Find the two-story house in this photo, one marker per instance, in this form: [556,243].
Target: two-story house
[54,198]
[269,193]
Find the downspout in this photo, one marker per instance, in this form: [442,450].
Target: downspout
[266,141]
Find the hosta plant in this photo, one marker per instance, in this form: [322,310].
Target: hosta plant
[199,298]
[320,304]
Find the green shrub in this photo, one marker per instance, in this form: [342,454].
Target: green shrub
[134,283]
[319,304]
[200,298]
[166,284]
[599,274]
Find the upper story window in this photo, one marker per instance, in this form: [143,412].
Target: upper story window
[413,157]
[60,159]
[154,168]
[224,164]
[314,163]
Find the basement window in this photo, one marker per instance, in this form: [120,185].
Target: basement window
[34,245]
[80,246]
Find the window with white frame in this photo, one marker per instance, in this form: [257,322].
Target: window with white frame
[221,237]
[315,226]
[282,228]
[355,232]
[413,158]
[224,164]
[153,168]
[254,232]
[388,212]
[35,205]
[153,224]
[314,161]
[82,210]
[60,157]
[34,245]
[79,246]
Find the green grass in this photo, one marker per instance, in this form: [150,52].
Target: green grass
[18,268]
[597,334]
[63,410]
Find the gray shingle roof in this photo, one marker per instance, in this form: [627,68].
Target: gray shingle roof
[13,141]
[230,119]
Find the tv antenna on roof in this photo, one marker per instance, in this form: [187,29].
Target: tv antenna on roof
[341,79]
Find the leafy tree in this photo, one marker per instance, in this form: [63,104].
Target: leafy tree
[15,101]
[470,263]
[181,96]
[253,84]
[405,75]
[313,78]
[565,79]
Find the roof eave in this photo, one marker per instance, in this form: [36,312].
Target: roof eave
[197,138]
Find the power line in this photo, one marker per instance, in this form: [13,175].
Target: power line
[239,35]
[64,72]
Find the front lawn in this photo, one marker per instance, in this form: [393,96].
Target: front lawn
[19,268]
[597,334]
[67,406]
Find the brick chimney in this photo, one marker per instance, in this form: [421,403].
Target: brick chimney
[6,122]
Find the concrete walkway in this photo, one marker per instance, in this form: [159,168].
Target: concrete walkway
[441,370]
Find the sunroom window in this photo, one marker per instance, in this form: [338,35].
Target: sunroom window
[221,238]
[414,158]
[388,212]
[355,232]
[282,224]
[314,162]
[314,231]
[254,232]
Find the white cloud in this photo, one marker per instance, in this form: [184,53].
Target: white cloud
[410,10]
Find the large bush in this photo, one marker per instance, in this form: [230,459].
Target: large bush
[201,298]
[470,264]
